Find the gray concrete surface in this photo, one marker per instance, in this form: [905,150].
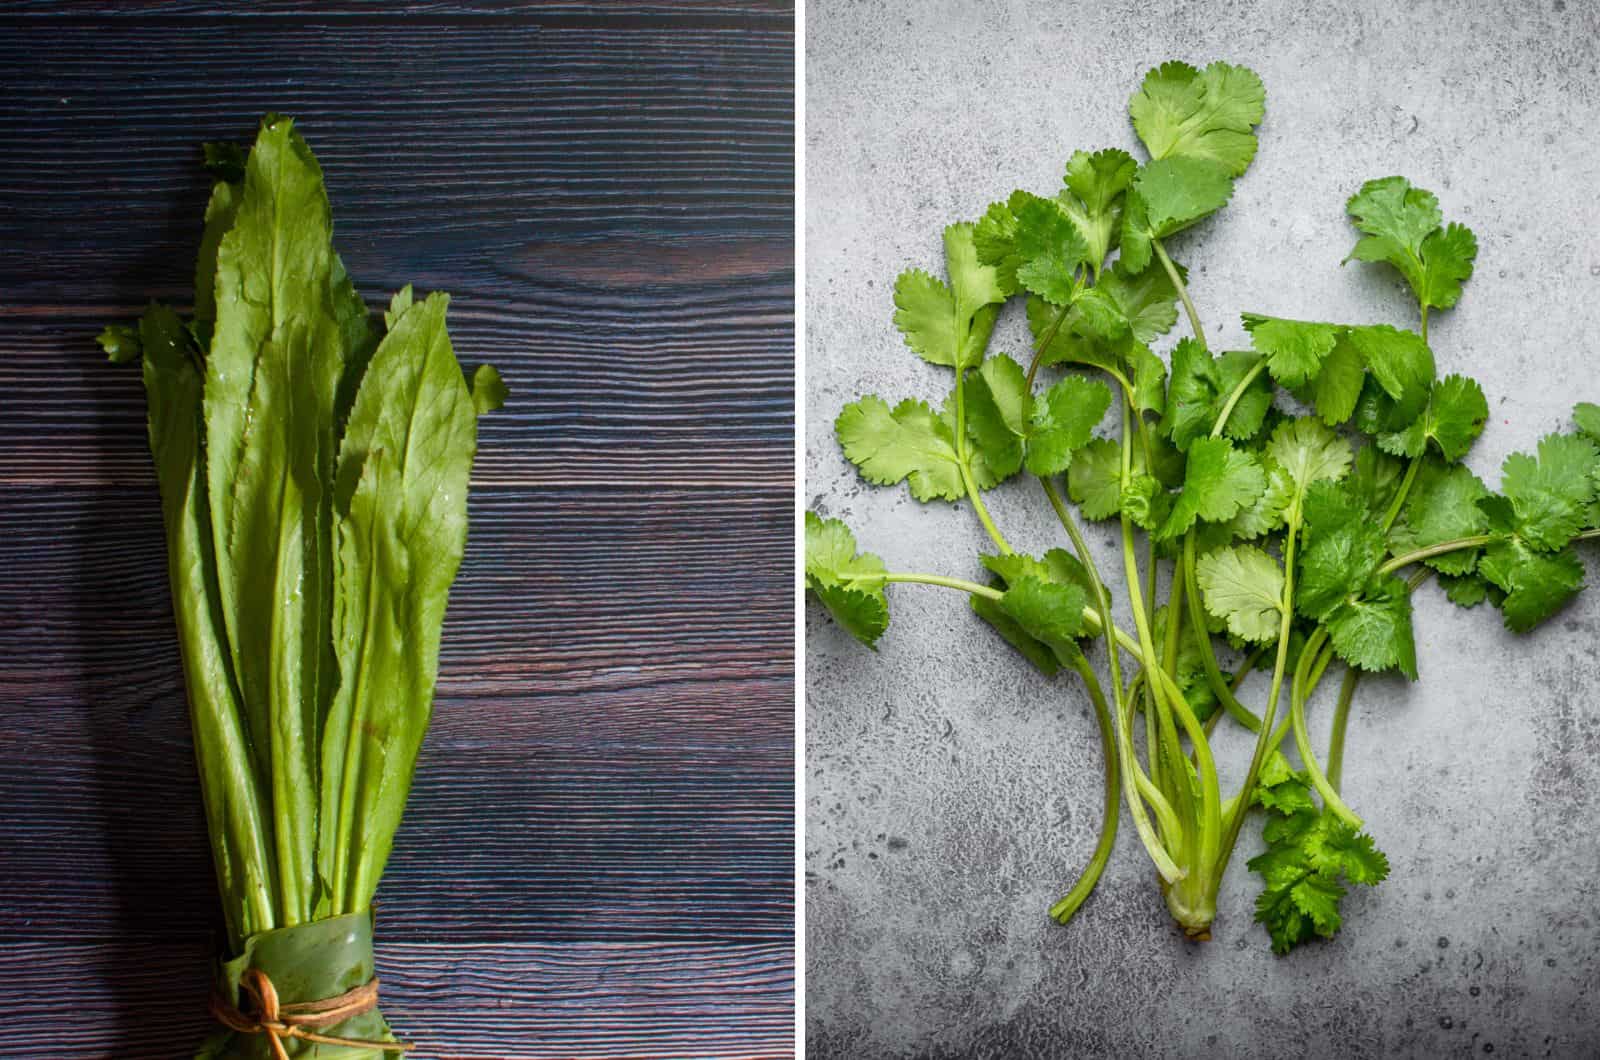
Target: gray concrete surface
[952,793]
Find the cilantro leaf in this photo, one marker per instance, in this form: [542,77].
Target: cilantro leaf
[849,584]
[1063,421]
[1201,385]
[1452,420]
[1149,380]
[1169,195]
[1268,512]
[910,443]
[1309,452]
[1210,114]
[1294,349]
[950,324]
[1550,495]
[1094,479]
[998,410]
[1041,612]
[1243,586]
[1337,386]
[1093,198]
[1374,478]
[1402,227]
[1400,362]
[1051,248]
[1373,630]
[1536,583]
[1343,548]
[1443,506]
[1585,416]
[1147,300]
[1309,855]
[1219,481]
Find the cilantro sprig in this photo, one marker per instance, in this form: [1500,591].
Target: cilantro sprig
[1295,494]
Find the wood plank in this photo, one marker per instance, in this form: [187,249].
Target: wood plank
[457,1002]
[616,690]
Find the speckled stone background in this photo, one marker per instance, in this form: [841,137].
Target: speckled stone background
[953,792]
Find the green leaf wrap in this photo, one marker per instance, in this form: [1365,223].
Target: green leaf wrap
[308,962]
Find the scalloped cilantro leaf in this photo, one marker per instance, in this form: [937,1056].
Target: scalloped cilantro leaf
[1443,506]
[1210,114]
[950,324]
[1218,483]
[1147,301]
[1308,451]
[1402,226]
[1243,586]
[1294,349]
[998,410]
[1309,856]
[1452,420]
[1343,548]
[1041,613]
[1372,630]
[1063,421]
[1167,196]
[1200,387]
[1536,584]
[1550,494]
[910,443]
[849,584]
[1095,184]
[1400,362]
[1094,479]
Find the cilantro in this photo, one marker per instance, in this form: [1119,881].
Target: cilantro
[950,324]
[1219,482]
[849,584]
[1243,586]
[1309,858]
[1210,114]
[1293,539]
[909,443]
[1402,227]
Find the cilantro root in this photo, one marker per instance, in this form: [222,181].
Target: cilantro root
[1294,494]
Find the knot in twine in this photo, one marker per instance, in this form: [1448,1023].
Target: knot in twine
[296,1019]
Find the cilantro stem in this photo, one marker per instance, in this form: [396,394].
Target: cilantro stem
[1238,392]
[1400,494]
[1341,717]
[1440,549]
[1263,742]
[1063,910]
[1183,290]
[1208,655]
[1184,578]
[936,579]
[1302,735]
[963,464]
[1044,344]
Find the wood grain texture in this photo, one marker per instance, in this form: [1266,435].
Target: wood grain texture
[598,857]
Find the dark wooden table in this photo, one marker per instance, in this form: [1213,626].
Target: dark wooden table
[598,855]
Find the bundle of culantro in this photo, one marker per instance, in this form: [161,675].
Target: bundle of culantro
[313,469]
[1294,495]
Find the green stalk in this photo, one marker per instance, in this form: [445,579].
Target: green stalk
[1440,549]
[1400,495]
[1183,290]
[1184,575]
[1341,716]
[1063,910]
[1242,804]
[1302,735]
[1131,773]
[973,493]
